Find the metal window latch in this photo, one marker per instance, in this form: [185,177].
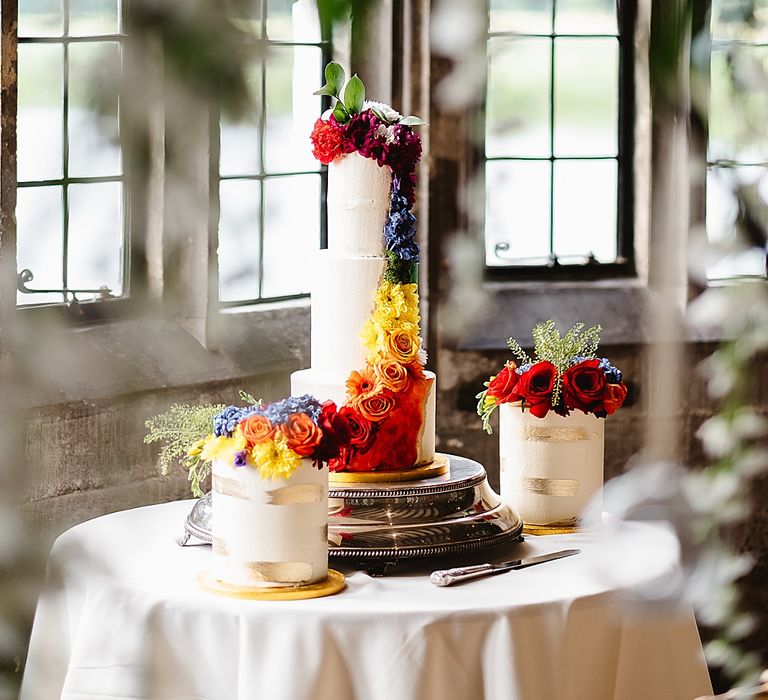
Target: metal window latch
[25,276]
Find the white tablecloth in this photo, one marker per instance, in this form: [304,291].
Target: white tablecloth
[128,621]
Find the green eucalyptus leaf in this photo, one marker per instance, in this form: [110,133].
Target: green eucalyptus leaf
[412,121]
[340,113]
[334,78]
[379,114]
[325,90]
[354,95]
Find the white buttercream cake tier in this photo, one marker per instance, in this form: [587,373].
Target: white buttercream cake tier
[343,293]
[551,467]
[269,533]
[358,204]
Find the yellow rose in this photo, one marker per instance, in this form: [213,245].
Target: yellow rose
[402,344]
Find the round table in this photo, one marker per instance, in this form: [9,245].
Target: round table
[123,618]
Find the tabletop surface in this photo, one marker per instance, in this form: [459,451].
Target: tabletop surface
[138,549]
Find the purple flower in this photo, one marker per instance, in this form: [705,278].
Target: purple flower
[241,458]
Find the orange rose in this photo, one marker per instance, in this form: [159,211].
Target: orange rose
[301,434]
[614,397]
[256,429]
[376,407]
[402,345]
[392,375]
[362,383]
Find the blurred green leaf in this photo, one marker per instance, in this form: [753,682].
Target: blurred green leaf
[412,121]
[340,113]
[354,95]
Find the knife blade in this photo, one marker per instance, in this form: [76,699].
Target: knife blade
[446,577]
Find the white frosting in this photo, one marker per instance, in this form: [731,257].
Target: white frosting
[343,292]
[358,202]
[332,387]
[551,467]
[267,531]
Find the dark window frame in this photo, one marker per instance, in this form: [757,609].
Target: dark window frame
[264,43]
[100,308]
[625,266]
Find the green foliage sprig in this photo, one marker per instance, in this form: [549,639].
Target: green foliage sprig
[179,428]
[560,351]
[350,97]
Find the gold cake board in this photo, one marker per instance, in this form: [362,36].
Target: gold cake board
[330,586]
[438,467]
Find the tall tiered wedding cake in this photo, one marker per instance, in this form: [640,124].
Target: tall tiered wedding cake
[366,347]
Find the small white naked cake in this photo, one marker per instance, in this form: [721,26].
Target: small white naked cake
[269,532]
[551,467]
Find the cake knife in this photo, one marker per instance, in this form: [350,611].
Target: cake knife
[446,577]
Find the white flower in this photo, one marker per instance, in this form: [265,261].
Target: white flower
[385,132]
[391,115]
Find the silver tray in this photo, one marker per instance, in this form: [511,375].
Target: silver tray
[388,522]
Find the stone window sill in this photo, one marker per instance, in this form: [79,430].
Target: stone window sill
[101,361]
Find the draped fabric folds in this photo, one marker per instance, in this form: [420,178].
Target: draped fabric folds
[126,622]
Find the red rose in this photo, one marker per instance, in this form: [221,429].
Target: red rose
[584,387]
[535,388]
[361,429]
[502,386]
[327,141]
[336,433]
[614,397]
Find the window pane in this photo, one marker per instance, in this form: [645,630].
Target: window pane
[722,211]
[517,212]
[239,240]
[293,20]
[40,18]
[586,17]
[292,77]
[95,251]
[240,140]
[94,147]
[93,17]
[40,112]
[585,209]
[517,119]
[586,97]
[738,129]
[746,21]
[523,16]
[40,241]
[246,15]
[291,232]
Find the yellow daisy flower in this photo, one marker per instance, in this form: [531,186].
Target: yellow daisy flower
[223,448]
[274,459]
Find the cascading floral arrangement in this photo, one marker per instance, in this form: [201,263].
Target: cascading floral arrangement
[565,375]
[273,438]
[387,396]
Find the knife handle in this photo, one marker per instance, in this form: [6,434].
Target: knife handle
[445,577]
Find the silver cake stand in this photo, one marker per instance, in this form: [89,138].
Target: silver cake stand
[378,525]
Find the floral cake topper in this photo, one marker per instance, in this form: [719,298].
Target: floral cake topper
[565,375]
[272,438]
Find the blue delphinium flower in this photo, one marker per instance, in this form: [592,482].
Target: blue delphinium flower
[524,368]
[400,227]
[612,374]
[224,423]
[279,411]
[576,359]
